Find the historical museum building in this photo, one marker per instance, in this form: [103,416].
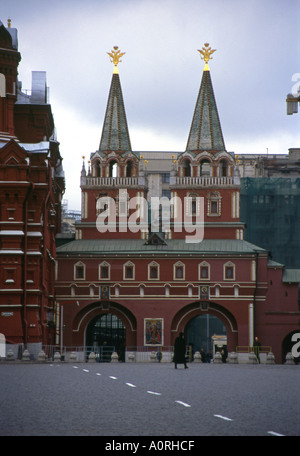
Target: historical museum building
[31,187]
[160,247]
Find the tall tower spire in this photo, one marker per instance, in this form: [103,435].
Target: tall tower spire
[115,135]
[206,133]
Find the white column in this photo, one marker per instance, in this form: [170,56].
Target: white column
[251,325]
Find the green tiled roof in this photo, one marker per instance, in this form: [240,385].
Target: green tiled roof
[173,246]
[291,276]
[206,132]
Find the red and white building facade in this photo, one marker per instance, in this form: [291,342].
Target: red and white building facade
[31,188]
[133,278]
[137,286]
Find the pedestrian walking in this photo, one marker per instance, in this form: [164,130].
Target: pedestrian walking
[203,355]
[257,348]
[179,351]
[209,357]
[224,354]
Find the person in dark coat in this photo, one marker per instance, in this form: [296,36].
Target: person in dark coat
[203,355]
[257,348]
[179,351]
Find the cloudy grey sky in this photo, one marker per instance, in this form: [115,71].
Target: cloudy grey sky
[256,64]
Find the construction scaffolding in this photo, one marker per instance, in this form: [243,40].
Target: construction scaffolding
[270,208]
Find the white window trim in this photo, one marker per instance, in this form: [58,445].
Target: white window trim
[125,265]
[229,264]
[214,197]
[79,264]
[107,265]
[156,265]
[179,263]
[205,265]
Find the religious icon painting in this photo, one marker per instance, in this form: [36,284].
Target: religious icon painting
[204,292]
[104,292]
[153,331]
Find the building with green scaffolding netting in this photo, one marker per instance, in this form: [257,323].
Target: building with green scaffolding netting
[270,208]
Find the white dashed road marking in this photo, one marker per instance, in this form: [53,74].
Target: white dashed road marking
[223,417]
[183,403]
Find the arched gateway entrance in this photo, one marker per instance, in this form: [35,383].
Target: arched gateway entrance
[104,334]
[206,325]
[200,332]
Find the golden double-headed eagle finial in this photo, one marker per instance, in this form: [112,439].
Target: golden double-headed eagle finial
[206,53]
[115,56]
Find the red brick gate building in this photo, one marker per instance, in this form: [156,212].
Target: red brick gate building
[138,272]
[136,277]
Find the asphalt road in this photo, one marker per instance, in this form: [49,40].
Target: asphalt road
[125,399]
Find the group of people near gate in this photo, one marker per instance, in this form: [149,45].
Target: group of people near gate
[180,352]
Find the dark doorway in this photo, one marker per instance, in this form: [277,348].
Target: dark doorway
[106,334]
[200,330]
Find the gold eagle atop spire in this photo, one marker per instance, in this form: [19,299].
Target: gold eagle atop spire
[206,53]
[115,56]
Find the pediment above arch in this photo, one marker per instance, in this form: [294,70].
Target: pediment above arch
[13,154]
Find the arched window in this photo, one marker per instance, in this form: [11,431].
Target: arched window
[229,271]
[205,168]
[79,271]
[223,168]
[153,271]
[128,271]
[214,204]
[129,168]
[204,271]
[186,168]
[113,168]
[97,169]
[104,271]
[178,271]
